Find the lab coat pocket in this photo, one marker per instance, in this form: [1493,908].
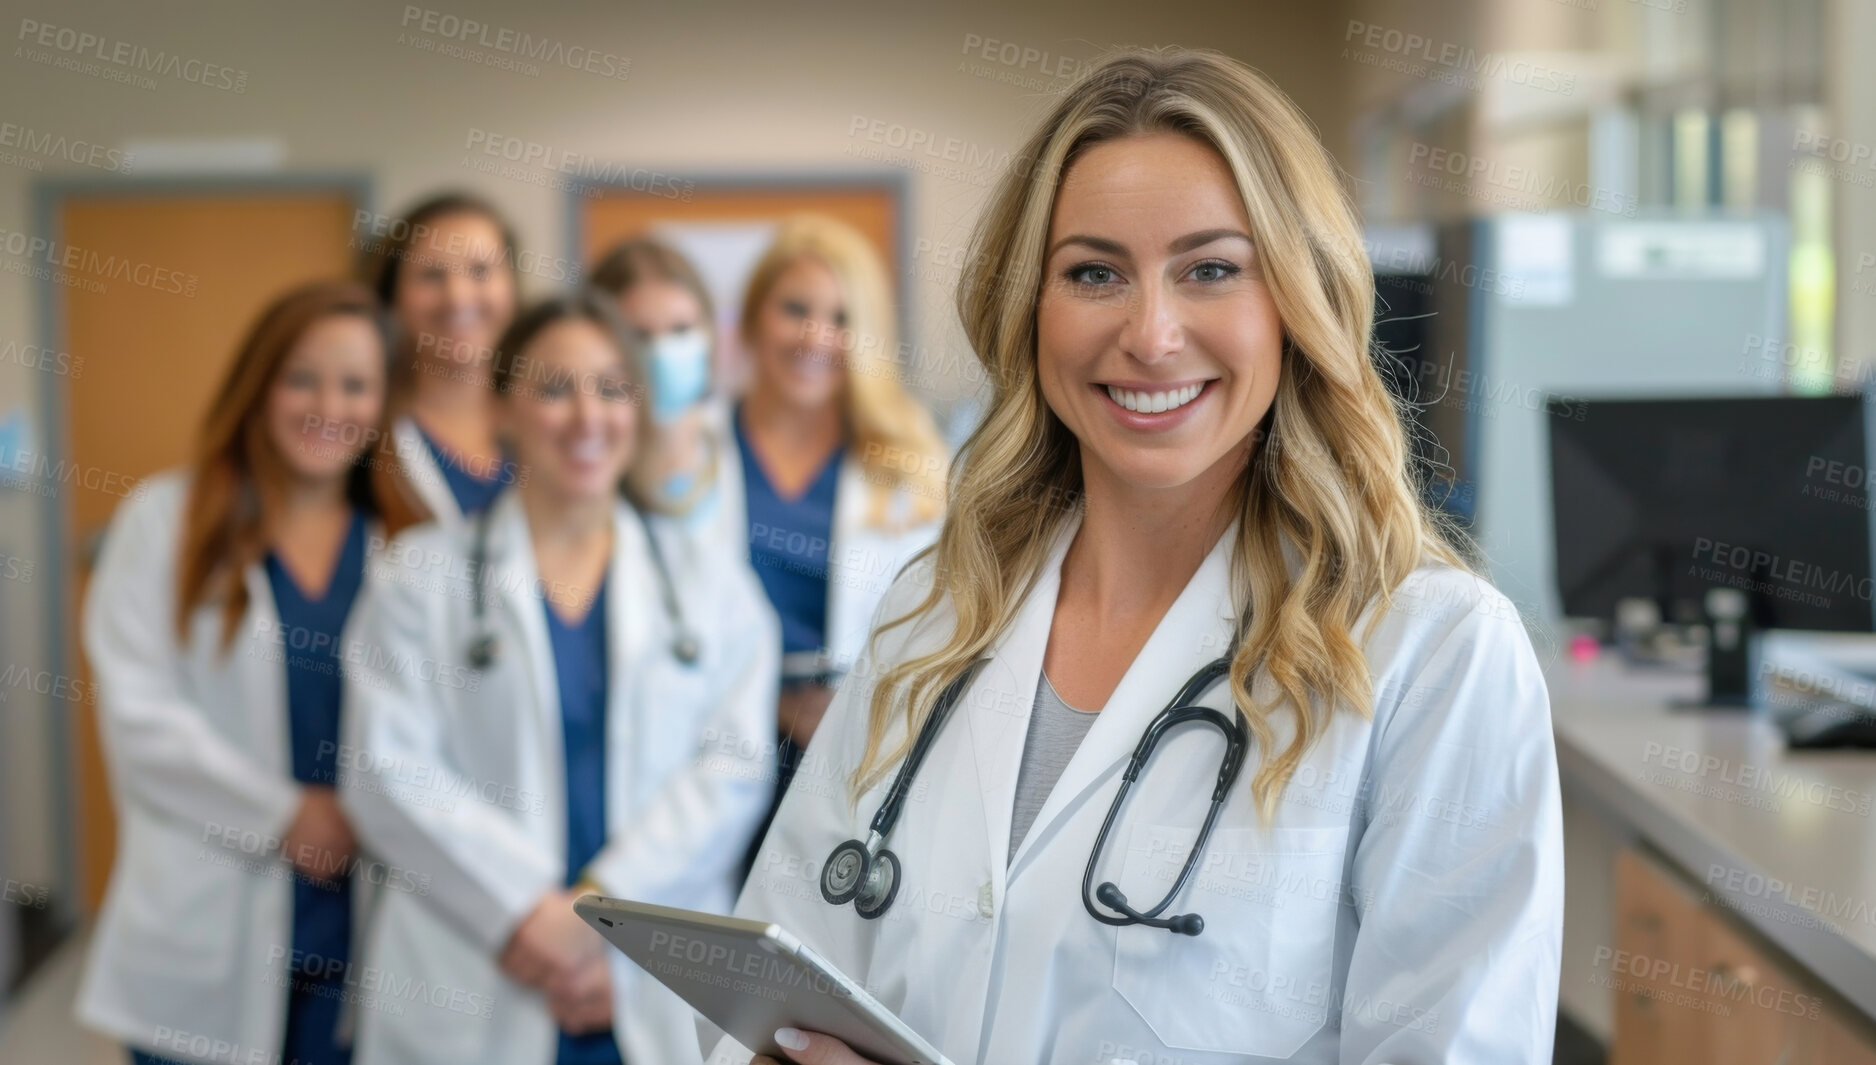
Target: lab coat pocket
[1257,979]
[675,702]
[427,994]
[183,905]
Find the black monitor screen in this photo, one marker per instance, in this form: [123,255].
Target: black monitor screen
[1665,498]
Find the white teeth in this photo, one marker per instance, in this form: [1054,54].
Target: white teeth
[1154,402]
[587,450]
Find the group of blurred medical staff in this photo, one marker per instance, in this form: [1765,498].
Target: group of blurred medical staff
[463,608]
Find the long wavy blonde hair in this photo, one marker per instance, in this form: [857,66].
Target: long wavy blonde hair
[1328,481]
[894,438]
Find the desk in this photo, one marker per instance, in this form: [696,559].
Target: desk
[1783,841]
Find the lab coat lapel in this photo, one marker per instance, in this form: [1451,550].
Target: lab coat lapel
[1000,700]
[1196,629]
[512,580]
[263,676]
[425,476]
[631,597]
[729,487]
[852,497]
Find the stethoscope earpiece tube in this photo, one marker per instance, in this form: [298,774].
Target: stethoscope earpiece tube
[1185,924]
[865,873]
[484,648]
[1179,711]
[888,814]
[684,645]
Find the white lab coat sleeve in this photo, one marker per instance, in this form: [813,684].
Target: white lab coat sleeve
[696,829]
[784,884]
[479,868]
[1457,879]
[163,753]
[818,813]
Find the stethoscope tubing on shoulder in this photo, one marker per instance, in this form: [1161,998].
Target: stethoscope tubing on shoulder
[485,647]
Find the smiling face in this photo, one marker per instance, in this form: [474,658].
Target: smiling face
[571,416]
[1157,342]
[454,294]
[799,337]
[324,404]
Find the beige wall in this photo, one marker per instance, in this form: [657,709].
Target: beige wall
[1850,96]
[712,87]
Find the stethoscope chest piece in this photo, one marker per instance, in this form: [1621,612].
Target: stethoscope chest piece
[843,871]
[854,874]
[879,888]
[685,648]
[482,651]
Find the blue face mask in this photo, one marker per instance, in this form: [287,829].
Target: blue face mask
[680,372]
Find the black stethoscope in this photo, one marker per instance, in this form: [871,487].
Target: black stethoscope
[867,874]
[484,648]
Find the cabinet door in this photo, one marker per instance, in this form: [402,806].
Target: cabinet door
[1759,1010]
[1655,928]
[1693,987]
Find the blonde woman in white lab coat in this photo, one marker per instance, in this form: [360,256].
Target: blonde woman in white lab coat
[559,696]
[212,624]
[1190,468]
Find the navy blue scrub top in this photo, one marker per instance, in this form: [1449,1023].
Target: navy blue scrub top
[473,494]
[580,670]
[788,545]
[322,911]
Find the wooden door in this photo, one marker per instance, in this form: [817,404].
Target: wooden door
[176,278]
[617,214]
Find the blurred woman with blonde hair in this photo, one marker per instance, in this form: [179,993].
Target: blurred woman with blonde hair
[834,470]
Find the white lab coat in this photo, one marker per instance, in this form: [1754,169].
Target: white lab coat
[458,772]
[862,558]
[1405,904]
[190,957]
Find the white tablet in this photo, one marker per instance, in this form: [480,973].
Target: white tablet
[750,978]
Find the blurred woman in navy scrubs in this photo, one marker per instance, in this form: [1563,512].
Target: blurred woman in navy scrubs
[449,274]
[213,624]
[598,683]
[665,302]
[836,474]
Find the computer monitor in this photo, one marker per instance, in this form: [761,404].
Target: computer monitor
[1667,498]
